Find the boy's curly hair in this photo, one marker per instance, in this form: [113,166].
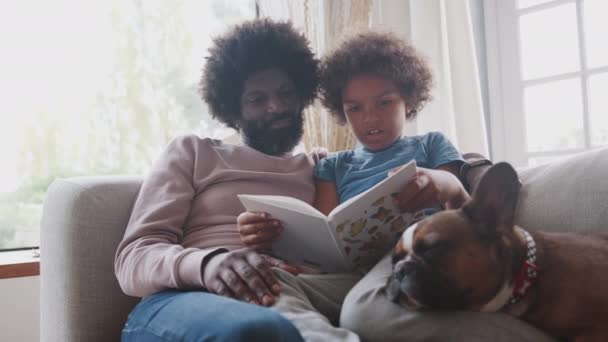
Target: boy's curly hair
[251,47]
[380,53]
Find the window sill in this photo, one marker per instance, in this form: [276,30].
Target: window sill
[17,264]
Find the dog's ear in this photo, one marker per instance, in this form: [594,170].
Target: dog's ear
[493,204]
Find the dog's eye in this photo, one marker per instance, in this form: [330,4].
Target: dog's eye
[428,250]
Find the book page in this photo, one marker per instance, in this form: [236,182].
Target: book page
[306,238]
[284,202]
[390,185]
[367,226]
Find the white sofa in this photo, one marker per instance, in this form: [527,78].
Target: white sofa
[84,220]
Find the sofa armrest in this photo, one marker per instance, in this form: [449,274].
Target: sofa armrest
[83,221]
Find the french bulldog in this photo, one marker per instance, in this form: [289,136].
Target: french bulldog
[476,258]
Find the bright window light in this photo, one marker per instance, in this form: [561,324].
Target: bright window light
[94,88]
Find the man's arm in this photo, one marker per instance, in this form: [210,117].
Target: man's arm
[471,171]
[150,257]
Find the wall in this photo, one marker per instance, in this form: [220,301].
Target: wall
[20,309]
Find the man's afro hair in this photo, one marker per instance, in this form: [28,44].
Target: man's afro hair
[250,47]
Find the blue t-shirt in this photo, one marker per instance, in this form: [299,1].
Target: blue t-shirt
[355,171]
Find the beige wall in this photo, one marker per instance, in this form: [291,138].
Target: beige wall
[20,309]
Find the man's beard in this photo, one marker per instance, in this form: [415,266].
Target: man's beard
[259,134]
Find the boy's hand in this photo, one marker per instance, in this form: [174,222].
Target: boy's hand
[258,230]
[318,153]
[431,188]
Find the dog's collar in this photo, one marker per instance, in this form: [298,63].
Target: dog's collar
[514,290]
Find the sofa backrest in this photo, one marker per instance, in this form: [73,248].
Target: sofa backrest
[570,194]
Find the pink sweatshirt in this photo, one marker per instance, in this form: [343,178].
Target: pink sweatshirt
[187,208]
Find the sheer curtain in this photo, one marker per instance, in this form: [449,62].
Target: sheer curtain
[442,31]
[97,87]
[324,23]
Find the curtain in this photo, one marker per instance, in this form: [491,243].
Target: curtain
[324,23]
[442,31]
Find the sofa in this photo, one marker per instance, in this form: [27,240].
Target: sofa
[84,219]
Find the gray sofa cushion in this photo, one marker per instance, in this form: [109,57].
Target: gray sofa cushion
[567,195]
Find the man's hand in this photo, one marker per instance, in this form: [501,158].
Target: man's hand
[244,274]
[258,230]
[431,188]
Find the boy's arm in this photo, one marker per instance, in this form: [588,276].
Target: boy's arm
[453,168]
[326,196]
[463,195]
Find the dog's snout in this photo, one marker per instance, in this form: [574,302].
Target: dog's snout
[392,289]
[409,266]
[405,268]
[404,284]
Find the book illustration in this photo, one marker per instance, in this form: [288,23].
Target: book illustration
[351,241]
[398,224]
[372,230]
[378,241]
[418,216]
[381,214]
[341,226]
[357,227]
[378,202]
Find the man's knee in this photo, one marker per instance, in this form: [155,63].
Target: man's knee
[265,325]
[195,316]
[372,316]
[361,314]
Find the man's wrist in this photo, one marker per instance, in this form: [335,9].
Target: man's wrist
[471,170]
[208,258]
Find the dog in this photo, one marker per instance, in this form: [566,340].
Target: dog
[475,258]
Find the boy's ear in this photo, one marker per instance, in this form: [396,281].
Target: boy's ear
[493,204]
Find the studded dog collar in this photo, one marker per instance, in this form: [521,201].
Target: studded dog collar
[528,272]
[514,290]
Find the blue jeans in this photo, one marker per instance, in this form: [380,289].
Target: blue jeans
[202,316]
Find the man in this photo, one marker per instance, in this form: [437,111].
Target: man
[181,250]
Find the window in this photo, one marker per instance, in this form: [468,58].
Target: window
[93,88]
[548,75]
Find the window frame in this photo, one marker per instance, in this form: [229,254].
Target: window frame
[506,84]
[17,263]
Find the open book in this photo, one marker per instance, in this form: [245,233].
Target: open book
[355,235]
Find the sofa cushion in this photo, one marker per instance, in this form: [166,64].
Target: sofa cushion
[567,195]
